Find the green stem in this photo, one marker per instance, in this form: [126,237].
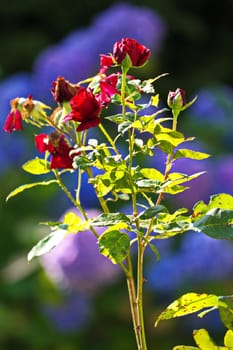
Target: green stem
[108,137]
[140,292]
[134,304]
[76,203]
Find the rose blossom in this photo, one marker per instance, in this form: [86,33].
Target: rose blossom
[57,147]
[85,109]
[138,53]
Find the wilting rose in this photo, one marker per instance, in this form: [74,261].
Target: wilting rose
[14,119]
[176,99]
[138,53]
[63,90]
[85,109]
[57,147]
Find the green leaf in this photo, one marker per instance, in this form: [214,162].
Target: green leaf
[28,186]
[153,174]
[187,304]
[221,201]
[155,100]
[74,223]
[115,245]
[216,223]
[109,219]
[226,311]
[204,341]
[47,244]
[187,153]
[37,166]
[152,212]
[228,339]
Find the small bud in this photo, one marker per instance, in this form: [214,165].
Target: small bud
[176,99]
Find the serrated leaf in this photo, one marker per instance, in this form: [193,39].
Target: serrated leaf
[115,245]
[187,304]
[216,223]
[28,186]
[47,244]
[203,340]
[37,166]
[221,201]
[187,153]
[109,219]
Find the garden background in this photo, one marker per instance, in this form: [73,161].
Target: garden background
[67,301]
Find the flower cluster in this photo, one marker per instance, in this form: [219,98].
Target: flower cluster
[85,104]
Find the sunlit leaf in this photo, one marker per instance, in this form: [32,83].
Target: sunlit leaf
[115,245]
[228,339]
[216,223]
[28,186]
[109,219]
[187,304]
[47,244]
[187,153]
[37,166]
[204,341]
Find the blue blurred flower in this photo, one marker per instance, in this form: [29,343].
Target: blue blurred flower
[223,175]
[70,315]
[199,259]
[76,264]
[211,116]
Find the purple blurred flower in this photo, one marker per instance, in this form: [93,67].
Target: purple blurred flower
[73,313]
[223,175]
[214,105]
[199,259]
[76,264]
[77,56]
[147,27]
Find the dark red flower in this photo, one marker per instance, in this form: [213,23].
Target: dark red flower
[14,119]
[57,146]
[63,90]
[105,62]
[85,109]
[108,89]
[138,53]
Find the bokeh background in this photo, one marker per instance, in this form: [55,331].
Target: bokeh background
[73,298]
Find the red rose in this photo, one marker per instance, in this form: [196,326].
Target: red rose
[108,89]
[105,62]
[57,147]
[85,109]
[138,53]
